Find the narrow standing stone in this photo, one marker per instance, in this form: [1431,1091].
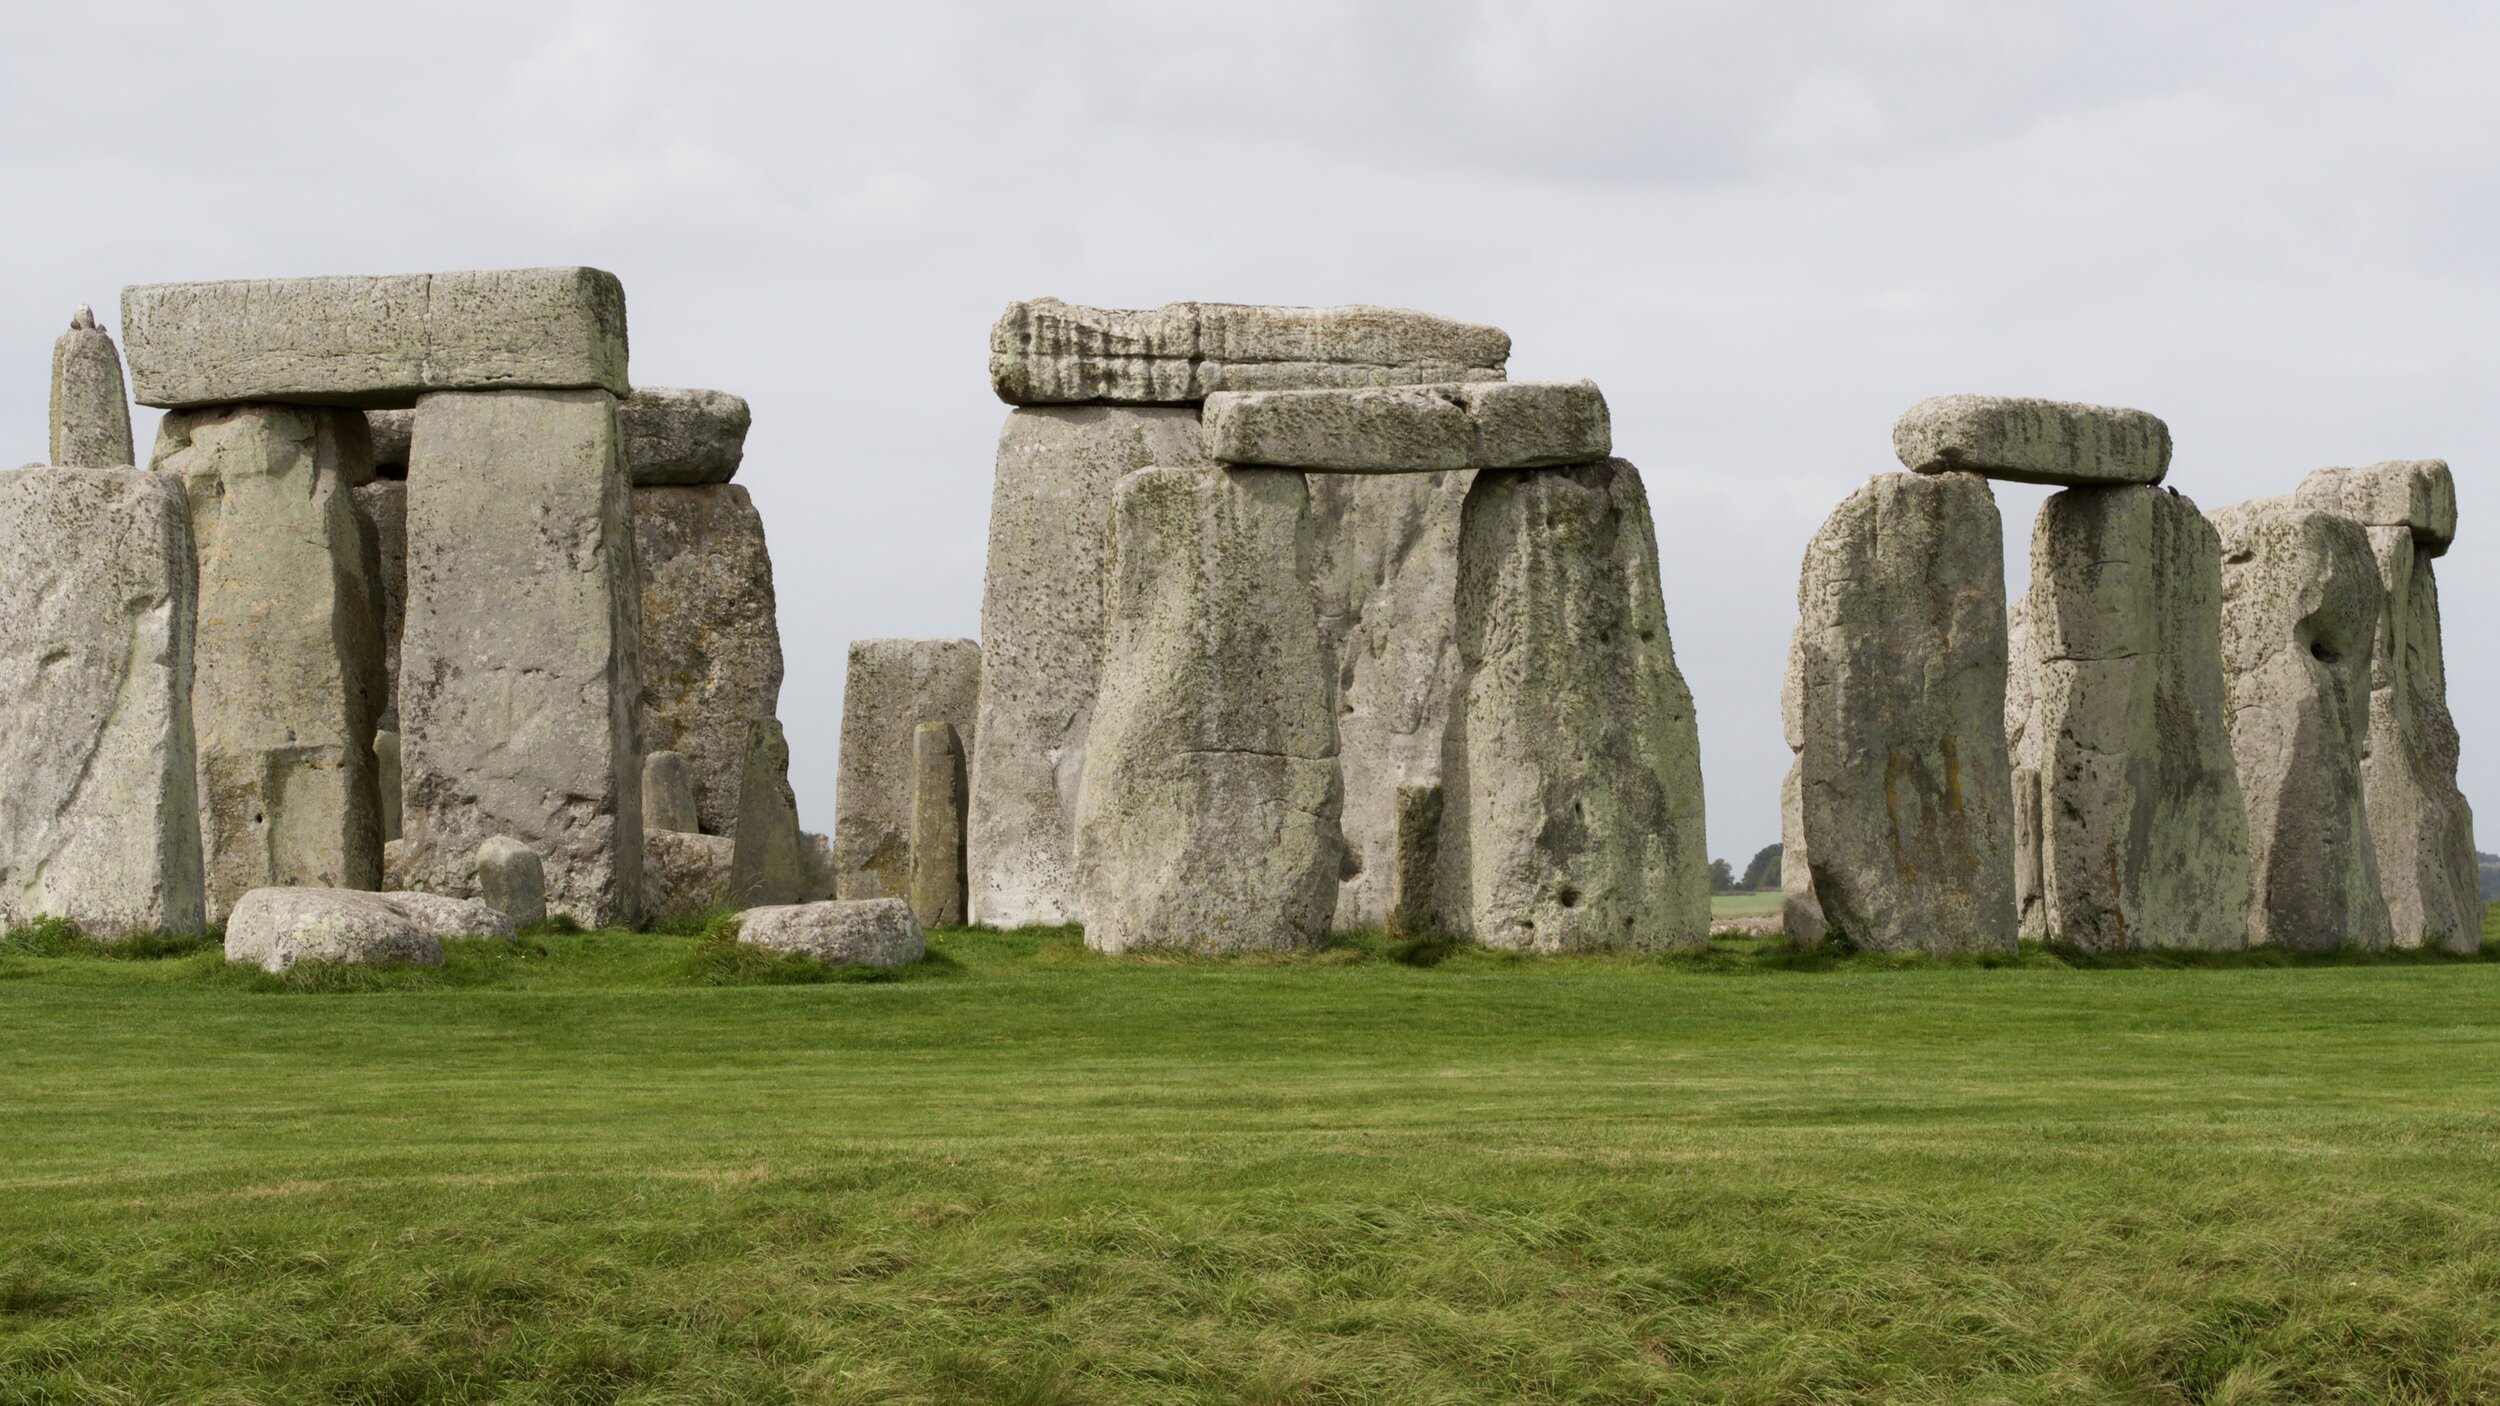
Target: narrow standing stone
[383,504]
[2022,746]
[769,863]
[90,408]
[512,880]
[711,637]
[1415,864]
[937,825]
[892,687]
[668,794]
[386,781]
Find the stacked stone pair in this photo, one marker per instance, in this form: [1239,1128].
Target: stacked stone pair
[909,710]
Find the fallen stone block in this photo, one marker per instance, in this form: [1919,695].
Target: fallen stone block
[682,436]
[685,874]
[711,639]
[668,793]
[2419,495]
[1411,429]
[451,918]
[870,932]
[512,880]
[768,865]
[1044,351]
[2032,441]
[374,342]
[99,815]
[892,687]
[90,409]
[276,928]
[937,825]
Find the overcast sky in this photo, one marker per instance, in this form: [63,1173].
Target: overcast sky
[1764,230]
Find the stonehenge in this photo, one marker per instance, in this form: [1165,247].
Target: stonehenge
[891,688]
[90,408]
[768,856]
[937,825]
[867,932]
[711,647]
[2032,441]
[1046,352]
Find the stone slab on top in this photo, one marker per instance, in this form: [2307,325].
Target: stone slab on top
[1046,352]
[2023,440]
[1411,429]
[2417,494]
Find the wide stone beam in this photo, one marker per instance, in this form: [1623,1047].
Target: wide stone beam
[2032,441]
[2419,495]
[1411,429]
[677,436]
[374,341]
[1046,352]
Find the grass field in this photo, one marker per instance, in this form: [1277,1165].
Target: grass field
[578,1171]
[1741,905]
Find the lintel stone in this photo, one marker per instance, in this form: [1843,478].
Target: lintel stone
[2023,440]
[1412,429]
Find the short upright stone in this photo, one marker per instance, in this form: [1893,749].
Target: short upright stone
[99,822]
[711,635]
[289,652]
[1572,817]
[891,688]
[768,864]
[937,825]
[512,880]
[1207,816]
[2300,603]
[2143,840]
[518,674]
[90,408]
[1905,791]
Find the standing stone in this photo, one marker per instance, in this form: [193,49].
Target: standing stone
[711,641]
[2300,603]
[769,863]
[2143,839]
[99,819]
[386,778]
[937,825]
[892,687]
[1801,913]
[2420,824]
[1573,812]
[1905,791]
[1207,813]
[383,504]
[512,880]
[289,681]
[2022,746]
[684,874]
[90,408]
[1414,887]
[1043,351]
[1041,640]
[668,794]
[518,676]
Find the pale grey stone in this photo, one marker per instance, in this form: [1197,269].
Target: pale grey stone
[2022,746]
[2032,441]
[512,880]
[392,432]
[682,436]
[685,874]
[891,688]
[1415,862]
[1411,429]
[769,864]
[668,793]
[90,408]
[937,825]
[2143,838]
[289,671]
[386,781]
[2419,495]
[2300,603]
[1573,811]
[276,928]
[1041,642]
[375,342]
[383,504]
[519,676]
[1905,789]
[450,918]
[711,638]
[1207,812]
[99,816]
[1801,913]
[1043,351]
[869,932]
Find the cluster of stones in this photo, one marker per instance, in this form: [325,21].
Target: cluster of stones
[2189,733]
[417,602]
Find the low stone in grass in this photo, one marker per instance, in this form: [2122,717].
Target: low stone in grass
[275,928]
[870,932]
[512,879]
[456,917]
[685,873]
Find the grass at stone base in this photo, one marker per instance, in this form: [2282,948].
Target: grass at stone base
[571,1170]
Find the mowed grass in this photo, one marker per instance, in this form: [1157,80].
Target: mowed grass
[1744,905]
[600,1168]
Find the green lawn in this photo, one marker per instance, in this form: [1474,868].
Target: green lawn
[1739,905]
[1024,1174]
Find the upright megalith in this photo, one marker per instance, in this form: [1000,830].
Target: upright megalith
[768,863]
[99,820]
[892,687]
[1572,810]
[1905,791]
[668,794]
[2300,605]
[289,653]
[386,781]
[519,675]
[2023,746]
[2420,824]
[937,824]
[512,880]
[383,504]
[90,407]
[1802,919]
[1207,811]
[2142,840]
[1046,352]
[711,637]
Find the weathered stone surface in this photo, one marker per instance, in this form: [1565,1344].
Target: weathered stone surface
[519,674]
[90,409]
[386,781]
[769,863]
[817,850]
[384,506]
[1905,790]
[711,641]
[512,880]
[99,816]
[2300,603]
[374,342]
[1044,351]
[684,873]
[2143,839]
[1802,919]
[937,825]
[393,432]
[1041,641]
[451,917]
[2419,495]
[2022,746]
[682,436]
[1207,812]
[2032,441]
[1573,811]
[289,678]
[275,928]
[871,932]
[668,793]
[1415,861]
[892,687]
[1411,429]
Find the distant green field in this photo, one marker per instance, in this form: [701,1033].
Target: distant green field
[570,1172]
[1737,905]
